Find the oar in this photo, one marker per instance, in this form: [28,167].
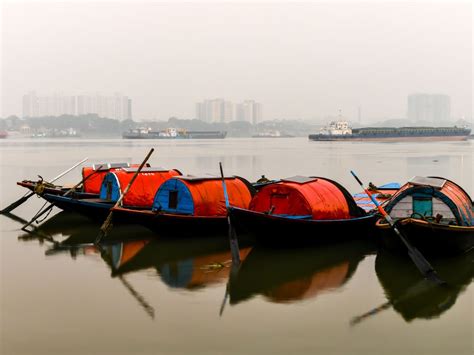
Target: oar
[105,226]
[23,199]
[415,290]
[418,259]
[145,305]
[234,243]
[42,212]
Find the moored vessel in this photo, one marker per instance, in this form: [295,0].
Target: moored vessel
[190,205]
[173,133]
[303,210]
[272,134]
[434,214]
[341,131]
[139,197]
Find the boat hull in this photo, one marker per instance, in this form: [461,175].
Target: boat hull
[92,208]
[187,135]
[429,238]
[387,139]
[56,190]
[271,229]
[173,224]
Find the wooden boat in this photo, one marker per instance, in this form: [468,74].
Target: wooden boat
[190,205]
[93,176]
[435,214]
[296,274]
[140,195]
[300,210]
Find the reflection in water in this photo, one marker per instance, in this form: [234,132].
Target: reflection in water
[413,297]
[430,301]
[188,264]
[289,275]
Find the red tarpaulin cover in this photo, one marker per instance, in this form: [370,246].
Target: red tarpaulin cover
[93,183]
[144,187]
[319,198]
[208,196]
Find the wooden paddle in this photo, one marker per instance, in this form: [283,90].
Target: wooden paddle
[42,212]
[141,300]
[418,259]
[108,221]
[420,287]
[234,244]
[23,199]
[233,241]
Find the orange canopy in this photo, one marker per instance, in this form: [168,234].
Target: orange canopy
[300,196]
[97,173]
[143,189]
[200,196]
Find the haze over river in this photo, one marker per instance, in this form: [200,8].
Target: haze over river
[146,295]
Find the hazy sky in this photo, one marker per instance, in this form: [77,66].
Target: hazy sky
[299,60]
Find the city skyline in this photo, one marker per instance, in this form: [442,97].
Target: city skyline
[420,108]
[224,111]
[303,61]
[116,106]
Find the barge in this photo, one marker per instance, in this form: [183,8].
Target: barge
[341,131]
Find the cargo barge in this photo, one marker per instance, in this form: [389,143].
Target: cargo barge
[173,133]
[341,131]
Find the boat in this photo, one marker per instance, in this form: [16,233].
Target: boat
[272,134]
[3,134]
[433,213]
[172,133]
[341,131]
[295,274]
[190,205]
[57,133]
[301,210]
[91,175]
[140,196]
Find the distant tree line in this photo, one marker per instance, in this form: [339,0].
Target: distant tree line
[93,125]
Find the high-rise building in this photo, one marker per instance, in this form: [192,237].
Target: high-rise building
[117,107]
[428,108]
[249,111]
[30,105]
[216,110]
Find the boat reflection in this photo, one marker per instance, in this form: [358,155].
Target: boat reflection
[291,275]
[68,231]
[416,298]
[190,264]
[413,298]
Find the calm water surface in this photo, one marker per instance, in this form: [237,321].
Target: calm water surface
[146,295]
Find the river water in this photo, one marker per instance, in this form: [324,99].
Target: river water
[146,295]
